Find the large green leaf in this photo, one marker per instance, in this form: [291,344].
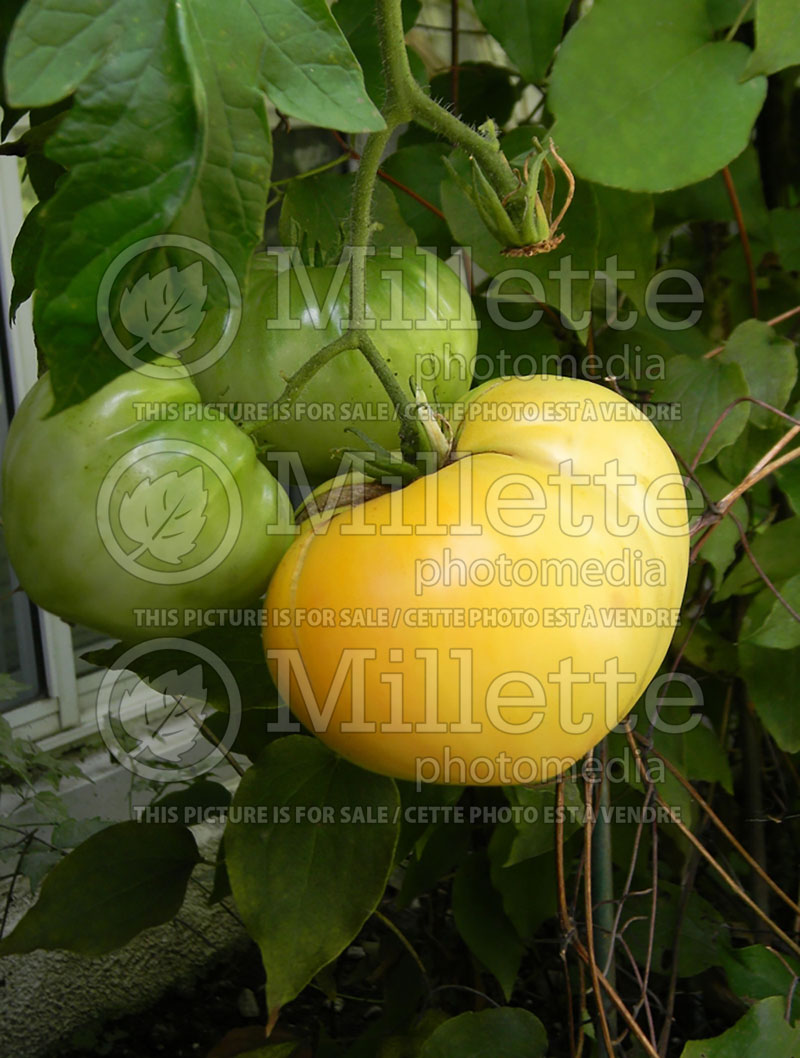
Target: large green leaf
[769,364]
[305,882]
[421,169]
[699,392]
[768,623]
[757,972]
[233,649]
[777,37]
[775,551]
[122,880]
[645,99]
[762,1030]
[709,199]
[314,216]
[720,547]
[132,142]
[528,30]
[772,678]
[508,1031]
[482,922]
[704,938]
[227,204]
[627,242]
[310,70]
[358,23]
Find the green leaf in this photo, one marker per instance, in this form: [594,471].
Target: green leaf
[305,887]
[769,364]
[709,200]
[124,879]
[697,754]
[758,972]
[314,211]
[535,828]
[514,338]
[227,204]
[73,832]
[768,623]
[777,37]
[627,241]
[310,69]
[239,649]
[604,97]
[127,85]
[551,280]
[722,546]
[508,1031]
[775,550]
[421,169]
[704,938]
[482,922]
[528,889]
[701,390]
[357,21]
[762,1030]
[772,678]
[25,258]
[528,30]
[438,854]
[785,225]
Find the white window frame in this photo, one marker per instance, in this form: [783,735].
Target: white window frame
[66,714]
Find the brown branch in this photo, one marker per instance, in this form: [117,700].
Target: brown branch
[730,187]
[390,179]
[715,819]
[570,937]
[695,841]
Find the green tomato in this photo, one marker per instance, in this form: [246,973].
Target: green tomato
[139,509]
[424,326]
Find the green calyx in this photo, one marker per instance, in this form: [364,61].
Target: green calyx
[522,221]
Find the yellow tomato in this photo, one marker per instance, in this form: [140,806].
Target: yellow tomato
[490,622]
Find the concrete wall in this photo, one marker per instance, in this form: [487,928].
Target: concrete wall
[47,995]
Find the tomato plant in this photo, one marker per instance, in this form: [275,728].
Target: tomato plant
[610,191]
[138,506]
[479,586]
[424,327]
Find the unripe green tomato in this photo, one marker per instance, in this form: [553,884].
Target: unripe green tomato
[139,508]
[424,326]
[493,621]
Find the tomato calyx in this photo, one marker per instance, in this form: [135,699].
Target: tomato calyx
[344,491]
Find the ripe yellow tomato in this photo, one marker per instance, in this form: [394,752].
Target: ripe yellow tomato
[492,621]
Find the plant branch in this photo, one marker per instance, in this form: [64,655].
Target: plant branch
[730,187]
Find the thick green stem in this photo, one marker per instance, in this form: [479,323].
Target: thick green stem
[405,101]
[426,111]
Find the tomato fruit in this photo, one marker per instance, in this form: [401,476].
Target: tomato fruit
[138,509]
[492,621]
[424,326]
